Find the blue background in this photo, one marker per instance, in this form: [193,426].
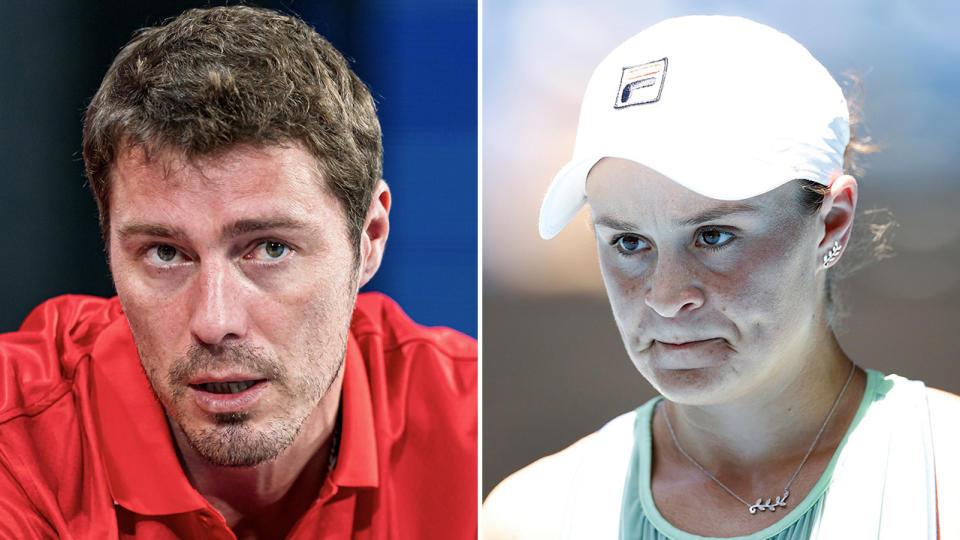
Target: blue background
[418,57]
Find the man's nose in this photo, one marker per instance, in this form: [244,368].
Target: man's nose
[218,311]
[672,289]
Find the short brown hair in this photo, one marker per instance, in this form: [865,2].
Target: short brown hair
[212,79]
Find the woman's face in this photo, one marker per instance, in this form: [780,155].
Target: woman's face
[712,298]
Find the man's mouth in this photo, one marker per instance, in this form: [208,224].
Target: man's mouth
[227,394]
[231,387]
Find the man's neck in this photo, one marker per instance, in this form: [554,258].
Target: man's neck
[273,493]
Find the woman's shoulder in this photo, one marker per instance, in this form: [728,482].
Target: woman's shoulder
[529,503]
[944,419]
[536,501]
[943,401]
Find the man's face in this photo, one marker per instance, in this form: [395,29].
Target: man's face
[712,298]
[238,279]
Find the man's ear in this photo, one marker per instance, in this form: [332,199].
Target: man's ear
[373,236]
[836,218]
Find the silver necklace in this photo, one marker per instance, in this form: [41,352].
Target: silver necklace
[782,499]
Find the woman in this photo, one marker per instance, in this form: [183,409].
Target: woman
[710,151]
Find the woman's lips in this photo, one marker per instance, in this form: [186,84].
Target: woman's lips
[694,354]
[686,345]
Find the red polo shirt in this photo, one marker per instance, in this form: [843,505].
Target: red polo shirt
[85,450]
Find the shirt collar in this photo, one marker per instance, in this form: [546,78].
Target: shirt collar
[357,462]
[137,448]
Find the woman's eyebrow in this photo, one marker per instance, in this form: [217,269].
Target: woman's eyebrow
[716,213]
[616,224]
[703,217]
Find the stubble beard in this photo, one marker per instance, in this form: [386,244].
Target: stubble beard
[237,439]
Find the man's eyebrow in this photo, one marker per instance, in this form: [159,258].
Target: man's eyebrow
[245,226]
[237,228]
[150,229]
[716,213]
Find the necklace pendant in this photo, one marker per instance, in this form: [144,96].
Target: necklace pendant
[771,506]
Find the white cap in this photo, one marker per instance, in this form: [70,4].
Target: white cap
[724,106]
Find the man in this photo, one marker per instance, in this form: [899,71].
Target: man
[237,386]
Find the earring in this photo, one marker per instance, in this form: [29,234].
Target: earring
[832,255]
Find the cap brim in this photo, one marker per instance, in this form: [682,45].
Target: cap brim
[565,196]
[721,180]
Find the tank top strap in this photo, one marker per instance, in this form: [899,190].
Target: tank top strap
[884,484]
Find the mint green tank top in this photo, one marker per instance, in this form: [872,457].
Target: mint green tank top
[640,519]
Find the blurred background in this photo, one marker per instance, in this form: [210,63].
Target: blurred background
[419,57]
[554,368]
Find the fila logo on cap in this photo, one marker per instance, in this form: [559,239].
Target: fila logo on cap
[641,84]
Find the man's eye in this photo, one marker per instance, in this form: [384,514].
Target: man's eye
[270,251]
[163,253]
[629,243]
[275,250]
[714,238]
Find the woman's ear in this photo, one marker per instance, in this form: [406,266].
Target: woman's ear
[836,218]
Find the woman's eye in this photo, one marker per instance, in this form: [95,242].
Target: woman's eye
[629,243]
[270,250]
[163,254]
[714,238]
